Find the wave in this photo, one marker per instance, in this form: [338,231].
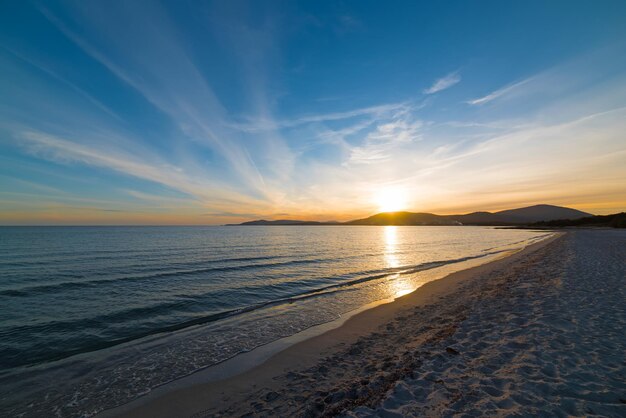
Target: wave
[38,289]
[27,291]
[12,357]
[10,255]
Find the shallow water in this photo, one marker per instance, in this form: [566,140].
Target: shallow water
[107,313]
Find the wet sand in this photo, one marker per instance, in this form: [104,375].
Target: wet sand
[538,332]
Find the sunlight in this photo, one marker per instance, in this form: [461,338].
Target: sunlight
[401,287]
[391,199]
[391,258]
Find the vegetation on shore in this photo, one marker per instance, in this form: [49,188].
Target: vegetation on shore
[616,220]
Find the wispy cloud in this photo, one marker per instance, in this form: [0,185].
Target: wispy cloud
[382,143]
[444,83]
[66,151]
[258,125]
[43,68]
[167,78]
[25,184]
[499,93]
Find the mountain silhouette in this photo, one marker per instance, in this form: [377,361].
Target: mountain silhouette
[520,216]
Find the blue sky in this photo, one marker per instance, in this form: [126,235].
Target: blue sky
[115,112]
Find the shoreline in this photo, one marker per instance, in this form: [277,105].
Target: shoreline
[231,381]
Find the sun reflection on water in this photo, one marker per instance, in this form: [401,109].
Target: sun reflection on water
[401,287]
[397,286]
[391,241]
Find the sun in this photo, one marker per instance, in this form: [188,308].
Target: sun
[391,199]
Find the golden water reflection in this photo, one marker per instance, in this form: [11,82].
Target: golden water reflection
[397,286]
[401,287]
[391,243]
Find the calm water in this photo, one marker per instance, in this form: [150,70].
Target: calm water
[91,317]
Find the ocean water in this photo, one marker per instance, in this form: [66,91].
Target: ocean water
[93,317]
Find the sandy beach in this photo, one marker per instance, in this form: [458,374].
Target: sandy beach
[540,332]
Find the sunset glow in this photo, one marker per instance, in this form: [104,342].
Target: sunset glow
[319,118]
[391,200]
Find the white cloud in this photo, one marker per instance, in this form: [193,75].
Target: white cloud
[258,125]
[444,83]
[499,93]
[383,142]
[65,151]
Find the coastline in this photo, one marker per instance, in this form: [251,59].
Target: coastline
[225,384]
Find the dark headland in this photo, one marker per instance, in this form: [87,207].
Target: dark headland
[521,216]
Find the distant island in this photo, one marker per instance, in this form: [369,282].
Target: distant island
[537,215]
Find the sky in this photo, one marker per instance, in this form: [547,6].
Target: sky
[212,112]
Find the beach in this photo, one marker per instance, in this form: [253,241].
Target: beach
[540,332]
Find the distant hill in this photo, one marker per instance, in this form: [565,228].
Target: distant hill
[404,218]
[530,214]
[521,216]
[480,218]
[540,213]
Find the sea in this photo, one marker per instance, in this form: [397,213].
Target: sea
[94,317]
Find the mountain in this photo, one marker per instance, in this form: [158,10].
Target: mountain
[530,214]
[479,218]
[520,216]
[404,218]
[540,213]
